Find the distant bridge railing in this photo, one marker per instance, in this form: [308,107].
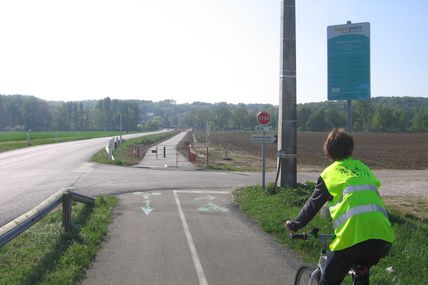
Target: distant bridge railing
[25,221]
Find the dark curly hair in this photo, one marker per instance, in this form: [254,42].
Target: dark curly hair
[338,145]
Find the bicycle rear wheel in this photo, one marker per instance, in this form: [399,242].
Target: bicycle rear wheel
[303,276]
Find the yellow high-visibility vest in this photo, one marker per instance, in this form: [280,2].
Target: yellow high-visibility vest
[357,210]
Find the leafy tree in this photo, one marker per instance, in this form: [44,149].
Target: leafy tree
[96,118]
[240,117]
[362,112]
[400,120]
[133,116]
[420,121]
[3,117]
[198,118]
[387,118]
[221,117]
[82,119]
[316,121]
[58,118]
[34,113]
[302,118]
[382,119]
[334,119]
[155,123]
[273,111]
[13,112]
[107,114]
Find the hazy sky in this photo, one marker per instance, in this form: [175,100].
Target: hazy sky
[198,50]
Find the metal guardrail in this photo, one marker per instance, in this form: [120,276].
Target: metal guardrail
[25,221]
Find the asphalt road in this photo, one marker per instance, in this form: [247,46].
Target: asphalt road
[191,237]
[30,175]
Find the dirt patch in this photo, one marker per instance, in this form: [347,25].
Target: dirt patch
[224,158]
[378,150]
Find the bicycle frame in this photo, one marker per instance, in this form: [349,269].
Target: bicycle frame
[318,271]
[314,275]
[324,249]
[322,262]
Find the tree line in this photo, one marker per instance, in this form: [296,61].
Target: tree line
[380,114]
[30,113]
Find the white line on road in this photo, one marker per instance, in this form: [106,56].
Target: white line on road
[197,263]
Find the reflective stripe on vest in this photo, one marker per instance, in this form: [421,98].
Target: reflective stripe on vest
[358,210]
[354,188]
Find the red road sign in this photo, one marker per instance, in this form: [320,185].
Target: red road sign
[263,118]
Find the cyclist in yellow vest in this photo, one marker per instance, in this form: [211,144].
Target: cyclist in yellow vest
[360,221]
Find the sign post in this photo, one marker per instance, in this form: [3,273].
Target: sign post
[349,64]
[263,118]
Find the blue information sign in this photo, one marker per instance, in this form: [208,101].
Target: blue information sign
[349,61]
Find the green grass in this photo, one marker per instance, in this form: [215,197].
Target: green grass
[45,254]
[408,258]
[128,157]
[221,167]
[15,140]
[216,162]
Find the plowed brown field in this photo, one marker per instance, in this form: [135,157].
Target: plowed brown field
[378,150]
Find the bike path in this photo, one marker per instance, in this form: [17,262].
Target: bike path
[187,237]
[165,155]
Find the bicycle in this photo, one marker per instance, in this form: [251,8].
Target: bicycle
[311,275]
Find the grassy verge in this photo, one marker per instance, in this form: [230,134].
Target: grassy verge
[128,156]
[408,259]
[15,140]
[44,254]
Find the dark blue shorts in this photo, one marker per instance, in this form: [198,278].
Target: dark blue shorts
[367,253]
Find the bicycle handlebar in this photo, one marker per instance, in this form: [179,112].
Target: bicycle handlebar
[314,233]
[303,236]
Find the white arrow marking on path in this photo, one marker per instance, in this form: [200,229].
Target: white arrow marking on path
[147,209]
[209,197]
[212,207]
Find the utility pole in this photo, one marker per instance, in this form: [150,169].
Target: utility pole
[287,121]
